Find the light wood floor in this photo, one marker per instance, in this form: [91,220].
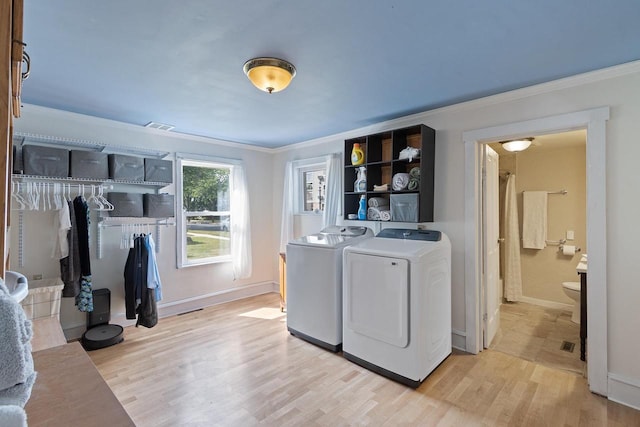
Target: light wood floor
[223,367]
[536,333]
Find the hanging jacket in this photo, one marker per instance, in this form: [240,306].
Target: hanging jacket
[139,299]
[84,300]
[135,277]
[70,265]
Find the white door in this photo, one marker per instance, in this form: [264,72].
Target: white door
[492,291]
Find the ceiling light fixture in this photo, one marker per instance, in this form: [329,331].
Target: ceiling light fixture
[269,74]
[516,144]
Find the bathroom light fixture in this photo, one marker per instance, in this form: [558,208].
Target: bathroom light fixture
[516,144]
[269,74]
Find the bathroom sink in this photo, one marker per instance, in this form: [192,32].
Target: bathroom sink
[17,284]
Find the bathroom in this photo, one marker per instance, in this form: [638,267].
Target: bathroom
[539,326]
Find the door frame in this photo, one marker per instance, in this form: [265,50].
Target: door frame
[594,121]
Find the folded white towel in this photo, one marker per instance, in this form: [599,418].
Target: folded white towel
[12,416]
[400,181]
[534,219]
[385,215]
[373,214]
[15,347]
[376,202]
[382,187]
[18,394]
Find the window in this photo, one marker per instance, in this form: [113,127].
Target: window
[311,187]
[205,217]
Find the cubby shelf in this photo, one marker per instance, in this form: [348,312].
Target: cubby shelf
[382,162]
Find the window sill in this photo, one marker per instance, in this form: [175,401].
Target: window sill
[207,262]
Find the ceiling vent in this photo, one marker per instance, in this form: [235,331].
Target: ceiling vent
[161,126]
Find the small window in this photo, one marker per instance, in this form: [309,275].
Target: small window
[205,216]
[311,189]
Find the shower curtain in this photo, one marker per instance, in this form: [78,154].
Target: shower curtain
[512,270]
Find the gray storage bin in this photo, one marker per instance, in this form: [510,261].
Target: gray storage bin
[45,161]
[89,164]
[129,168]
[404,207]
[158,170]
[159,205]
[126,204]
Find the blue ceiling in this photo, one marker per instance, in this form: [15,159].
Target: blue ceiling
[358,61]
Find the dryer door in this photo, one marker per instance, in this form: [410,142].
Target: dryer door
[376,297]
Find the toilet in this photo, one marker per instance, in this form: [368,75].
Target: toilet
[572,290]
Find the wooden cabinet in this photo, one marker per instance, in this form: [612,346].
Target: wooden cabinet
[382,163]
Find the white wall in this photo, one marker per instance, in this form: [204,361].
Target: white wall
[180,286]
[618,88]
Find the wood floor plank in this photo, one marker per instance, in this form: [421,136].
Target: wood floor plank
[223,367]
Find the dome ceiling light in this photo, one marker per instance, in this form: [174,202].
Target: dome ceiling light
[516,144]
[269,74]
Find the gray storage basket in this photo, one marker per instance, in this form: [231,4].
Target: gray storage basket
[126,204]
[158,170]
[89,164]
[129,168]
[404,207]
[159,205]
[45,161]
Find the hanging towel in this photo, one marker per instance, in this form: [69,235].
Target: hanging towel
[511,250]
[534,220]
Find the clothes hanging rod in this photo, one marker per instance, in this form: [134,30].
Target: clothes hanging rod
[102,224]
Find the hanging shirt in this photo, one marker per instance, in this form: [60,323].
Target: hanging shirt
[153,275]
[62,223]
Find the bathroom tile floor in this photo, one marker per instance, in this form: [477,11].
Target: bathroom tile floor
[537,333]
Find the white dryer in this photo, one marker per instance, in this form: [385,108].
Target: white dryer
[314,284]
[397,303]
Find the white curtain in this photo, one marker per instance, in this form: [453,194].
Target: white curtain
[240,224]
[286,227]
[333,191]
[512,268]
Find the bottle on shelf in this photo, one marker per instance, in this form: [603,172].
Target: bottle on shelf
[357,155]
[362,209]
[360,186]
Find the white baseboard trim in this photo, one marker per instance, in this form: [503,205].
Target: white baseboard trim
[625,391]
[547,303]
[459,340]
[185,305]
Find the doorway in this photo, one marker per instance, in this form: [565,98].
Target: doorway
[594,121]
[534,318]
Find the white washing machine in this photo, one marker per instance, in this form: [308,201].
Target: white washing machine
[314,284]
[397,303]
